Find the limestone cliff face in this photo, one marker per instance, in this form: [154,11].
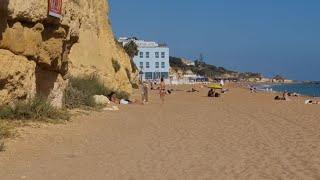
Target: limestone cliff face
[38,53]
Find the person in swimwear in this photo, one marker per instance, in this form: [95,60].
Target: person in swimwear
[162,90]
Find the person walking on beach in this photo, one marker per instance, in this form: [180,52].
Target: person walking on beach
[221,83]
[162,90]
[146,92]
[142,92]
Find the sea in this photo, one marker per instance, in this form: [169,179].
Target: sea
[308,89]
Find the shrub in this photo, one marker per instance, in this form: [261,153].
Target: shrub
[81,90]
[122,95]
[6,112]
[116,65]
[133,66]
[2,147]
[5,130]
[135,86]
[35,109]
[131,49]
[128,74]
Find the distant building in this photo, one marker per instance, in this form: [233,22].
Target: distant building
[278,79]
[152,59]
[265,80]
[186,77]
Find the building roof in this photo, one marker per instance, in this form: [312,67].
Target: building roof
[141,43]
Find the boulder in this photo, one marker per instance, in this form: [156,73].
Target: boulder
[17,77]
[100,100]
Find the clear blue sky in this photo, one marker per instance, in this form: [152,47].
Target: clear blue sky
[267,36]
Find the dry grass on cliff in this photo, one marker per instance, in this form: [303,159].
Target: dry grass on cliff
[5,132]
[80,91]
[5,129]
[36,109]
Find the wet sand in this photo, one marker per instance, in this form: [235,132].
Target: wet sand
[238,136]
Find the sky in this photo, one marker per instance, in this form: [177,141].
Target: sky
[267,36]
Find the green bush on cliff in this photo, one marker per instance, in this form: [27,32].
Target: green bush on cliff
[2,147]
[116,65]
[133,66]
[122,95]
[5,129]
[34,109]
[135,86]
[37,109]
[5,132]
[128,74]
[80,91]
[131,49]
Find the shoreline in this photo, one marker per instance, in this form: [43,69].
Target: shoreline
[262,87]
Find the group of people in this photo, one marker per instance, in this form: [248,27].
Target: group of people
[161,88]
[144,94]
[163,91]
[212,93]
[286,97]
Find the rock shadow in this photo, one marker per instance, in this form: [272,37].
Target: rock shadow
[45,81]
[3,16]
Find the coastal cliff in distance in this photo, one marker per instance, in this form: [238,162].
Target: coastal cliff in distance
[38,53]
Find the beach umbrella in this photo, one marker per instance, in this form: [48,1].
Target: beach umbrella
[215,86]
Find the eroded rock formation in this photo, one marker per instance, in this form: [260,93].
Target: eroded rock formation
[39,53]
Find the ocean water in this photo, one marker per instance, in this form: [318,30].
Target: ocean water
[309,89]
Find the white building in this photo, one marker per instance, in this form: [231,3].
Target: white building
[152,59]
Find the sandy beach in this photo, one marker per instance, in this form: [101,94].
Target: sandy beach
[238,136]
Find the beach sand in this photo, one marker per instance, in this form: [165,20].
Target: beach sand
[238,136]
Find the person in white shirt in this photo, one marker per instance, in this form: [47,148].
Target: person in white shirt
[221,82]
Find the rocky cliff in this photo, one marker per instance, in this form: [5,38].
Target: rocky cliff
[38,53]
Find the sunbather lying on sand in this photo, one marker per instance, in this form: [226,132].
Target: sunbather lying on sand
[115,100]
[294,94]
[224,90]
[253,89]
[278,98]
[193,90]
[309,101]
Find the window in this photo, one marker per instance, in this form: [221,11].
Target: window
[141,54]
[165,75]
[141,65]
[157,64]
[156,75]
[162,65]
[147,64]
[148,75]
[157,54]
[163,54]
[147,54]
